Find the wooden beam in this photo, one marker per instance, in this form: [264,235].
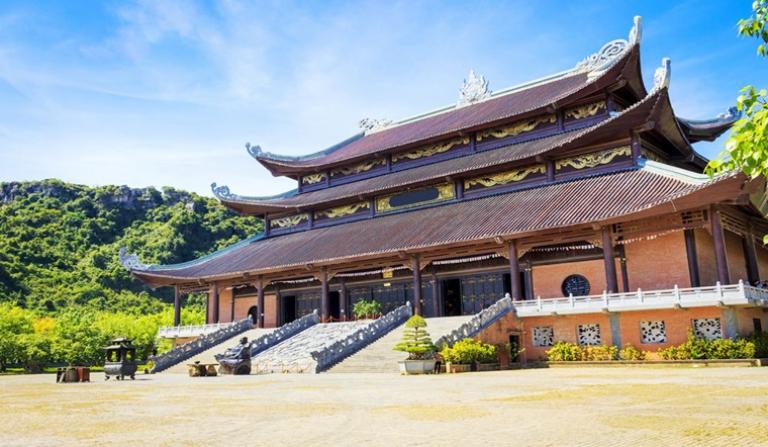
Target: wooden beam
[415,261]
[693,261]
[718,237]
[514,272]
[750,255]
[215,299]
[324,294]
[260,303]
[177,306]
[609,261]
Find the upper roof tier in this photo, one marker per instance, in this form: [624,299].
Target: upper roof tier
[477,108]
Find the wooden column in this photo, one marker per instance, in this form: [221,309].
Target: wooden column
[721,257]
[435,296]
[624,271]
[693,260]
[750,255]
[514,272]
[343,301]
[177,307]
[215,302]
[232,308]
[416,265]
[609,261]
[550,170]
[324,294]
[260,304]
[528,281]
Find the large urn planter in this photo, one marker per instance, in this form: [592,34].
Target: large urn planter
[409,367]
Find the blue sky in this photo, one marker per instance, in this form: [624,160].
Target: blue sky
[166,92]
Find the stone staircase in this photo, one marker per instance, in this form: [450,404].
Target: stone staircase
[207,355]
[294,354]
[379,356]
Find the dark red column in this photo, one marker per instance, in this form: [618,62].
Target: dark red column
[324,294]
[721,258]
[693,261]
[215,303]
[609,261]
[514,272]
[416,265]
[260,303]
[177,307]
[750,255]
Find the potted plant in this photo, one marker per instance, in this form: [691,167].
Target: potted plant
[418,344]
[366,309]
[468,354]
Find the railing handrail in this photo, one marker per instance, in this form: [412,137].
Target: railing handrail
[477,323]
[360,338]
[283,333]
[198,329]
[198,345]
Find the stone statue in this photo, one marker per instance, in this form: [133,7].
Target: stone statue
[236,360]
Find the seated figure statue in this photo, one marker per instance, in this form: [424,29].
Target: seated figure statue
[236,360]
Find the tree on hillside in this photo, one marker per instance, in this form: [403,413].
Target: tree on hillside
[747,148]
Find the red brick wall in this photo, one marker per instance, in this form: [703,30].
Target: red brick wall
[548,279]
[737,264]
[242,304]
[744,320]
[225,305]
[762,260]
[677,323]
[270,310]
[705,252]
[658,263]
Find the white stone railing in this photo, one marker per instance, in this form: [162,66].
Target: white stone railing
[283,333]
[359,339]
[717,295]
[195,330]
[477,323]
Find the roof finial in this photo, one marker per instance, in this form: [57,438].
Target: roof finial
[475,89]
[255,151]
[221,192]
[662,75]
[597,63]
[371,125]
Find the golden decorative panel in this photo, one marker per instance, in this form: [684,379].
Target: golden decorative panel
[346,210]
[289,221]
[651,156]
[358,168]
[312,179]
[445,192]
[503,178]
[585,111]
[516,128]
[594,159]
[430,150]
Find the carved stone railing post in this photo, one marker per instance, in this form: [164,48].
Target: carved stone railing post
[359,339]
[198,345]
[477,323]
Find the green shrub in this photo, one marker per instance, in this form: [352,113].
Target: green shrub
[416,340]
[563,351]
[596,353]
[760,340]
[701,349]
[366,308]
[468,351]
[629,352]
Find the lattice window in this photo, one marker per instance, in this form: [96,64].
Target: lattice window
[543,336]
[589,334]
[653,332]
[576,285]
[708,328]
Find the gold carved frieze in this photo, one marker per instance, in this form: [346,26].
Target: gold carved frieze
[312,179]
[516,128]
[343,211]
[445,192]
[593,159]
[503,178]
[430,150]
[585,111]
[289,221]
[358,168]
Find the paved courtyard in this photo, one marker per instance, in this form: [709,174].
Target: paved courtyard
[554,407]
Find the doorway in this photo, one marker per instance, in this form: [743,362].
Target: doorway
[451,297]
[253,314]
[523,285]
[334,305]
[289,308]
[514,348]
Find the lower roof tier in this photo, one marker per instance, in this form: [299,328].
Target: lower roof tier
[652,189]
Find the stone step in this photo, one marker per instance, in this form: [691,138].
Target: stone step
[379,355]
[208,355]
[294,355]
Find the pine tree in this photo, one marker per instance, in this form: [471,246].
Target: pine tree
[416,340]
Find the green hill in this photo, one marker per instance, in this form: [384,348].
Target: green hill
[59,242]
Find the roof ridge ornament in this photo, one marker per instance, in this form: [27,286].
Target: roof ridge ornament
[371,125]
[255,151]
[222,192]
[662,75]
[597,63]
[475,89]
[130,261]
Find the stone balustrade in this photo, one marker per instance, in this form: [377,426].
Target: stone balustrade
[359,339]
[477,323]
[283,333]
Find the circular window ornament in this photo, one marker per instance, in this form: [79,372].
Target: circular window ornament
[576,285]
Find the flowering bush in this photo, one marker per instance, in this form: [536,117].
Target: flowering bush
[469,351]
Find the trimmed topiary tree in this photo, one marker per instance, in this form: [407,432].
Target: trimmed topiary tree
[416,340]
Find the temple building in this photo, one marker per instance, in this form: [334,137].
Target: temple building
[580,195]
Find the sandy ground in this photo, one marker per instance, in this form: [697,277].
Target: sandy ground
[554,407]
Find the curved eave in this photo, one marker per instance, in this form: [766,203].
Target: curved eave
[701,192]
[625,68]
[666,124]
[708,130]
